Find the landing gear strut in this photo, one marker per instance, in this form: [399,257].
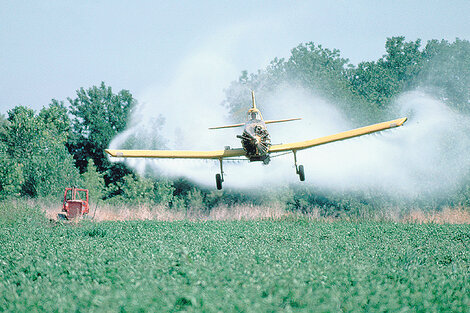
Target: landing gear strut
[299,169]
[219,178]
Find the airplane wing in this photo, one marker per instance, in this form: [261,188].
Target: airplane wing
[176,154]
[337,137]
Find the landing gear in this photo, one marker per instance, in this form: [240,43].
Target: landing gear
[301,173]
[218,181]
[219,178]
[299,170]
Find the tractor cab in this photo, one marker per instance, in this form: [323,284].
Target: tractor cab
[75,203]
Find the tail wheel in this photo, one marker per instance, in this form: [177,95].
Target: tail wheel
[218,181]
[301,173]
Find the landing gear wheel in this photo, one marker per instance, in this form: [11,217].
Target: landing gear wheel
[301,173]
[218,181]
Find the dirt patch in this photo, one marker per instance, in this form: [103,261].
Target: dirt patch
[446,216]
[107,212]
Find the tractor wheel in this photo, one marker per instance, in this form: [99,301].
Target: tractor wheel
[301,173]
[62,216]
[218,181]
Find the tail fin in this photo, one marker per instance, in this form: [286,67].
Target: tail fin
[253,99]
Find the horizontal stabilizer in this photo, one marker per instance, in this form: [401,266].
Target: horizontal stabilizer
[281,121]
[227,126]
[176,154]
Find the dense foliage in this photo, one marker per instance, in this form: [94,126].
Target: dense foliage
[288,265]
[63,145]
[366,90]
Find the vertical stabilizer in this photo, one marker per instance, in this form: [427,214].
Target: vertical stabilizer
[253,99]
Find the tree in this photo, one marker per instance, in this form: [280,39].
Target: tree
[403,59]
[93,181]
[23,132]
[378,82]
[49,171]
[3,128]
[375,83]
[195,200]
[319,69]
[56,116]
[34,143]
[11,175]
[135,188]
[446,72]
[98,115]
[164,192]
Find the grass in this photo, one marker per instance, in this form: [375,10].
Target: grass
[286,264]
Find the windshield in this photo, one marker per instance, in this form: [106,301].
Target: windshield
[254,116]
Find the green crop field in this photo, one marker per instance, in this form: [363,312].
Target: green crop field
[290,264]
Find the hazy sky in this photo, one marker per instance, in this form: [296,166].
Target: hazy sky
[48,49]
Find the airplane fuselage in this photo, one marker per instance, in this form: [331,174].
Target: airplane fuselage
[256,141]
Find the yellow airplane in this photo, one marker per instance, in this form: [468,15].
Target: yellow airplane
[256,143]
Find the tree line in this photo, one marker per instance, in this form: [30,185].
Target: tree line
[63,144]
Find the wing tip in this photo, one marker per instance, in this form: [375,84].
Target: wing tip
[111,152]
[402,121]
[398,122]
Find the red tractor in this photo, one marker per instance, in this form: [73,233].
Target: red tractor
[75,203]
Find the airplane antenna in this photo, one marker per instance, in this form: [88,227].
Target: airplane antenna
[253,99]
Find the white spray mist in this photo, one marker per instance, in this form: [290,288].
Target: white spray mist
[428,155]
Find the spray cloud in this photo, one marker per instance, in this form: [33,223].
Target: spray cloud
[428,155]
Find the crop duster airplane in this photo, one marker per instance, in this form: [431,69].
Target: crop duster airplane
[256,143]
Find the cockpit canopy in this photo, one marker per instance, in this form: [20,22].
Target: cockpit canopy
[254,115]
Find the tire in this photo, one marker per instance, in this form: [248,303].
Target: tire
[301,173]
[218,181]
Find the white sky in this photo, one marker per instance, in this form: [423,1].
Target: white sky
[48,49]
